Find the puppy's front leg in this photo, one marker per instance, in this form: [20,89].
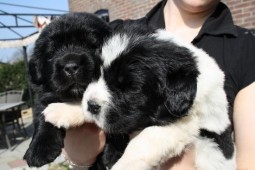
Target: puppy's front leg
[46,145]
[64,114]
[156,144]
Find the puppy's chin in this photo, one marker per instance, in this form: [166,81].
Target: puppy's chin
[114,129]
[71,93]
[118,127]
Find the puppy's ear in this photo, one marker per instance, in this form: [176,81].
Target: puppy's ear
[179,94]
[116,24]
[35,71]
[96,31]
[99,35]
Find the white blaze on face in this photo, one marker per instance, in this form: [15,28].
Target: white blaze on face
[113,47]
[98,92]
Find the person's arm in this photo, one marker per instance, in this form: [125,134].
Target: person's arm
[244,125]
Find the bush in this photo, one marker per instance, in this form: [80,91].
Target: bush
[13,76]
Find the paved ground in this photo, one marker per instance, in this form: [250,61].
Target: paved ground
[11,159]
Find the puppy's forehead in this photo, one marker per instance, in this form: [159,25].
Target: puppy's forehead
[113,47]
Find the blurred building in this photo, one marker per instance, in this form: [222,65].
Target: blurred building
[243,11]
[124,9]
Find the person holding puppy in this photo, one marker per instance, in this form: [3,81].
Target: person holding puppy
[208,25]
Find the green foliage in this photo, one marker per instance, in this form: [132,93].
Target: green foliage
[59,166]
[12,76]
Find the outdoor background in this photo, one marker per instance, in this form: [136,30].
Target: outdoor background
[243,12]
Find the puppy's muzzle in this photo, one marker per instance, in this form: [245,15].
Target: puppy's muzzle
[94,107]
[71,63]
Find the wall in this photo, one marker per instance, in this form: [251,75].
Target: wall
[243,12]
[125,9]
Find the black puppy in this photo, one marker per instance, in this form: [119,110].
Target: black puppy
[64,62]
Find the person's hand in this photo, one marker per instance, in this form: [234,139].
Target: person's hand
[185,161]
[83,144]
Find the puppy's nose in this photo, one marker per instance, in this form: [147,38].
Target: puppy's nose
[93,107]
[71,68]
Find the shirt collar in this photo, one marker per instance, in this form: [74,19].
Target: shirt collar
[155,16]
[219,23]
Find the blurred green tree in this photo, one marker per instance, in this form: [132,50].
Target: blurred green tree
[13,76]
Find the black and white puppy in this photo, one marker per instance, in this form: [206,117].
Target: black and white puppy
[163,92]
[64,62]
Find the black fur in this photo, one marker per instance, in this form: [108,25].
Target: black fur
[114,148]
[64,62]
[223,140]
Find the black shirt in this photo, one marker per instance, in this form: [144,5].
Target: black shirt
[231,46]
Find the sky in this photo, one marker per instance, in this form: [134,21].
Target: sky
[7,53]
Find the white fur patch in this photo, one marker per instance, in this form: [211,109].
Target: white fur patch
[113,47]
[210,102]
[156,144]
[209,157]
[96,91]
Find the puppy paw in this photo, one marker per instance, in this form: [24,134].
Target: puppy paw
[44,149]
[64,115]
[37,156]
